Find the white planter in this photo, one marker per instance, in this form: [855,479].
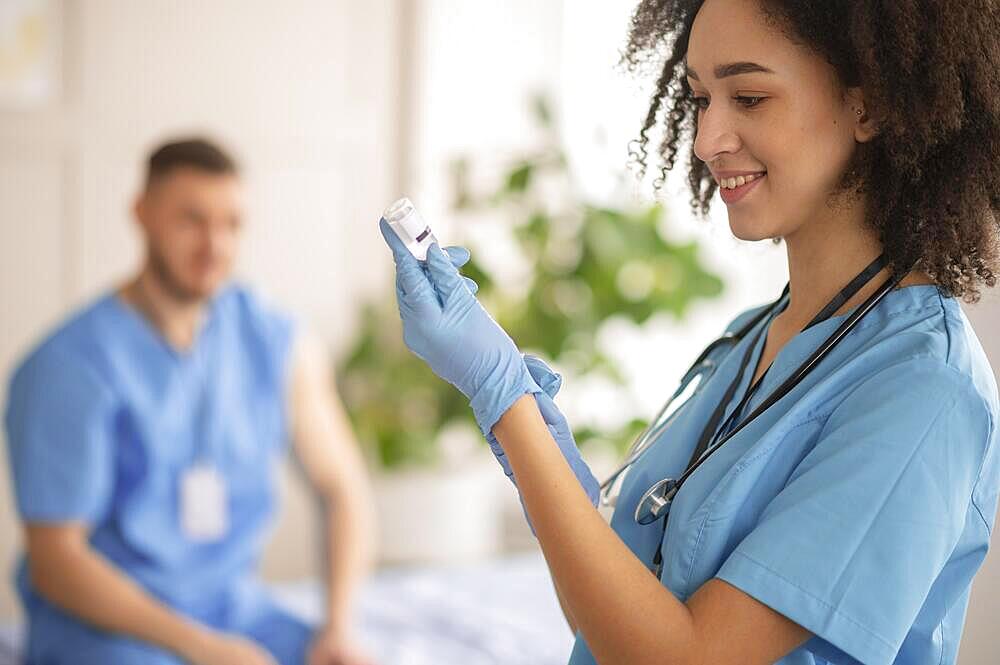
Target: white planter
[441,515]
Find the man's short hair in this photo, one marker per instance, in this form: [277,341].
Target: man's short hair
[196,153]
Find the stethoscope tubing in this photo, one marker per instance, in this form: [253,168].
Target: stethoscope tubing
[805,368]
[644,442]
[655,427]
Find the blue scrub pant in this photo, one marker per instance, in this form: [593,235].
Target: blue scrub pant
[57,639]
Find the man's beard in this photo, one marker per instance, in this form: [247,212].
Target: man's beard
[170,283]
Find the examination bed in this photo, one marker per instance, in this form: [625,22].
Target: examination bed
[499,611]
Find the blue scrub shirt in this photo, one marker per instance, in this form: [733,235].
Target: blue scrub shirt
[860,505]
[105,417]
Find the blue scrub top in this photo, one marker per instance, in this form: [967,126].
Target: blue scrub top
[860,505]
[105,416]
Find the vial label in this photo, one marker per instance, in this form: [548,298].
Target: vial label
[410,227]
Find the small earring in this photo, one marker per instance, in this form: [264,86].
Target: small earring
[860,112]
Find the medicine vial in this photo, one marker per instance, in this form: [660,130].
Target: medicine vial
[410,227]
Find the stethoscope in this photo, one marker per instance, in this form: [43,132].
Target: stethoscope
[701,369]
[655,502]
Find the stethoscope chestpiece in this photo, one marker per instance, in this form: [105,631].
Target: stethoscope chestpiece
[655,503]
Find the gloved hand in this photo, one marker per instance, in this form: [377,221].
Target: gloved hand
[550,382]
[444,325]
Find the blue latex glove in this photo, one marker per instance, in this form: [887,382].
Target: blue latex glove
[550,382]
[444,324]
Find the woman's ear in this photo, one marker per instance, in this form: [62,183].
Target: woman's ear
[861,118]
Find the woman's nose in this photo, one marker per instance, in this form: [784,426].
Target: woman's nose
[714,135]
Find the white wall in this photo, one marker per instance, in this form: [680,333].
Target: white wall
[302,91]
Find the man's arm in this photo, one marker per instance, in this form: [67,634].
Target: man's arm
[68,573]
[325,445]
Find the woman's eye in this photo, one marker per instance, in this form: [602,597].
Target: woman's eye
[743,100]
[748,102]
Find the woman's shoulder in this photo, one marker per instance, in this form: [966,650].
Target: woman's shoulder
[923,327]
[966,354]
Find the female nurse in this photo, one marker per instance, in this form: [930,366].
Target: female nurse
[844,523]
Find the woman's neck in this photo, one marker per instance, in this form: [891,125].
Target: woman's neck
[824,258]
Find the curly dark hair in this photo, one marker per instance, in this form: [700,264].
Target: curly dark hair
[930,72]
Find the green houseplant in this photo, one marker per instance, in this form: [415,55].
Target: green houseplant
[588,263]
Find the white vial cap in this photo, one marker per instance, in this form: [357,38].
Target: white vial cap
[404,213]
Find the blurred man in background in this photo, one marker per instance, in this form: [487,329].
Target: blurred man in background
[144,433]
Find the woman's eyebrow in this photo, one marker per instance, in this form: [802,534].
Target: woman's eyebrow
[733,69]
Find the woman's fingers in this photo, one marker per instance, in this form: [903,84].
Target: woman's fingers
[547,379]
[443,274]
[414,291]
[550,412]
[399,251]
[409,276]
[459,255]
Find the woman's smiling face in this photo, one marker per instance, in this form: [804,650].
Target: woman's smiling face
[769,105]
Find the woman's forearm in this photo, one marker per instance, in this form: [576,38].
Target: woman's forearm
[623,612]
[564,607]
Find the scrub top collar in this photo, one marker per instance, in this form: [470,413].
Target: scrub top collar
[805,342]
[206,324]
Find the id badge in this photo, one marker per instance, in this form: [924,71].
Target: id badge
[204,506]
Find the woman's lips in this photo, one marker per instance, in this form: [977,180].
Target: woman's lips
[731,196]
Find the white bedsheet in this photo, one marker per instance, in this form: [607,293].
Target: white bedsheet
[501,611]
